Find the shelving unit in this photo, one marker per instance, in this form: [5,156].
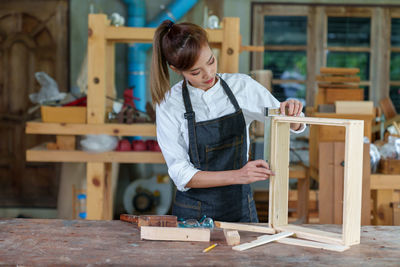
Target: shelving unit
[101,58]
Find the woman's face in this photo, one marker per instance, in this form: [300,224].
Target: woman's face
[203,73]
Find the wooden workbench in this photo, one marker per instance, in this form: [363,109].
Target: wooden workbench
[61,242]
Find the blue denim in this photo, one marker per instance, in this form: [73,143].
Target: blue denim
[217,145]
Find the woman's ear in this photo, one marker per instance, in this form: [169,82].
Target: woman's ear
[174,69]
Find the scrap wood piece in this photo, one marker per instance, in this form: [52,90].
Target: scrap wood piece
[244,227]
[262,240]
[232,237]
[312,234]
[174,234]
[339,71]
[150,220]
[312,244]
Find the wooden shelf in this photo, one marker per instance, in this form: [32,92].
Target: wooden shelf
[135,129]
[41,154]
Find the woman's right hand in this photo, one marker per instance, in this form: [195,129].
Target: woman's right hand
[253,171]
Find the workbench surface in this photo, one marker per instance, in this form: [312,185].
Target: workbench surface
[62,242]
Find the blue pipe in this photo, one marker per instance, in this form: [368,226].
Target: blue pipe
[137,52]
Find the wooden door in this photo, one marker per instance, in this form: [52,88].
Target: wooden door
[33,37]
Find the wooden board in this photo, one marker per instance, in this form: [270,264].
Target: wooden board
[174,234]
[387,107]
[338,79]
[339,71]
[45,242]
[261,241]
[333,95]
[354,107]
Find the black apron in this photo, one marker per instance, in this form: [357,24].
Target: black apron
[217,145]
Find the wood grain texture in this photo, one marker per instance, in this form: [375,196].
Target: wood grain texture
[174,234]
[89,242]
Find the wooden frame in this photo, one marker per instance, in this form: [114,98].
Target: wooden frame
[101,60]
[279,184]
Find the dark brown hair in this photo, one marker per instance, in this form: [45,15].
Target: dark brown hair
[178,45]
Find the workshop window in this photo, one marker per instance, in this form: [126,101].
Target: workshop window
[348,46]
[285,42]
[394,92]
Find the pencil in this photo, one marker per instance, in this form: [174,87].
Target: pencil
[210,248]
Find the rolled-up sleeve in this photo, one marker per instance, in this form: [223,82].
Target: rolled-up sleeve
[173,147]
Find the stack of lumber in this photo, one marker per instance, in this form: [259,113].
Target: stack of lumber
[337,84]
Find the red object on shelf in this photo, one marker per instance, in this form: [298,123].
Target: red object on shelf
[128,98]
[80,102]
[138,145]
[152,145]
[124,145]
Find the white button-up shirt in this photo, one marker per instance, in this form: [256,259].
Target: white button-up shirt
[172,127]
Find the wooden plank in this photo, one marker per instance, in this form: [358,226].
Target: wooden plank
[145,35]
[279,183]
[318,121]
[354,107]
[96,95]
[333,95]
[366,192]
[95,180]
[41,154]
[385,181]
[388,108]
[312,244]
[303,200]
[244,227]
[261,241]
[326,179]
[229,57]
[312,234]
[382,212]
[174,234]
[352,183]
[339,71]
[232,237]
[338,79]
[338,177]
[338,85]
[136,129]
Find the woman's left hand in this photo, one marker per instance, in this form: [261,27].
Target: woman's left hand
[294,108]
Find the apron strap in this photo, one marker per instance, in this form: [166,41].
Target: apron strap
[228,91]
[190,116]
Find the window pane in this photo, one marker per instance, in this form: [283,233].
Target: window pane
[395,96]
[284,30]
[395,66]
[395,36]
[350,60]
[345,31]
[281,62]
[289,90]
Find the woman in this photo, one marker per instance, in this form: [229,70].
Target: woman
[202,126]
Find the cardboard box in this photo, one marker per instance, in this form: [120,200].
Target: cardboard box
[63,114]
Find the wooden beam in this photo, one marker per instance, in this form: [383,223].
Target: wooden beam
[136,129]
[279,183]
[232,237]
[385,181]
[312,244]
[312,234]
[261,241]
[244,227]
[41,154]
[174,234]
[95,180]
[339,71]
[352,183]
[229,61]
